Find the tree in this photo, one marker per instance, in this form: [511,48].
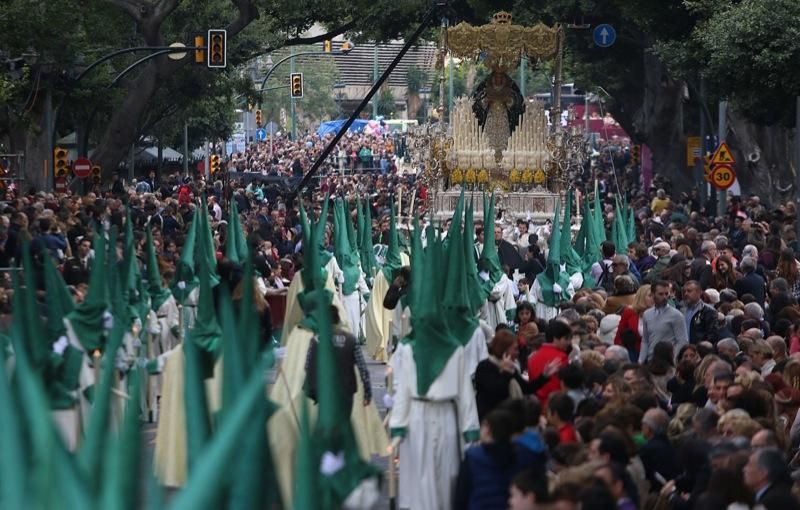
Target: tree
[52,41]
[284,17]
[386,106]
[416,79]
[760,79]
[653,64]
[64,32]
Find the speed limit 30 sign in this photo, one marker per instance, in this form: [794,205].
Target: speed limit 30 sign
[723,176]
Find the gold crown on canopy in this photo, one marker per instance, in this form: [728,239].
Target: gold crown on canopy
[502,17]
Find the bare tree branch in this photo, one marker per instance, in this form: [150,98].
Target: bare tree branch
[300,41]
[164,8]
[132,7]
[248,12]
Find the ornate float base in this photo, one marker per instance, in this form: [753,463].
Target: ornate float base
[538,204]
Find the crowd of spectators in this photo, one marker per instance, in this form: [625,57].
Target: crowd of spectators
[355,153]
[63,225]
[679,378]
[671,381]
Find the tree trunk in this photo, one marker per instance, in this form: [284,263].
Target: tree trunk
[37,162]
[413,103]
[764,156]
[123,127]
[656,118]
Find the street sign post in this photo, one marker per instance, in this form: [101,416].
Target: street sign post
[82,167]
[723,176]
[261,134]
[604,35]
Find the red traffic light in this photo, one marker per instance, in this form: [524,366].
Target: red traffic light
[217,48]
[296,85]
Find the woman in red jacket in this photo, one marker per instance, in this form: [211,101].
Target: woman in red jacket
[629,332]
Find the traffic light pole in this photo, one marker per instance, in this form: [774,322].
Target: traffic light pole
[722,195]
[49,120]
[262,89]
[426,20]
[185,148]
[291,98]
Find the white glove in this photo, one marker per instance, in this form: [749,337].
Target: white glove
[331,463]
[557,288]
[181,284]
[365,495]
[108,320]
[121,364]
[60,345]
[388,401]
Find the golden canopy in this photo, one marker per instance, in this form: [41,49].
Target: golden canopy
[503,43]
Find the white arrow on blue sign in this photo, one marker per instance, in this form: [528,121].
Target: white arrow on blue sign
[261,134]
[604,35]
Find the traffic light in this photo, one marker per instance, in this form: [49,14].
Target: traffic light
[296,85]
[636,154]
[259,118]
[217,48]
[214,164]
[60,164]
[200,54]
[96,173]
[326,46]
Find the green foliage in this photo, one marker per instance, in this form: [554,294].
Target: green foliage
[760,77]
[386,106]
[57,38]
[416,78]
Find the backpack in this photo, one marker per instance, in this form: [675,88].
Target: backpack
[606,280]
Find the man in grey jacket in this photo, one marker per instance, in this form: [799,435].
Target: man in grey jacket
[662,323]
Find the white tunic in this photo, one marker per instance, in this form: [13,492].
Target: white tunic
[476,350]
[500,301]
[353,303]
[431,450]
[547,312]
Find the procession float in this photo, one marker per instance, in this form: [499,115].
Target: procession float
[496,139]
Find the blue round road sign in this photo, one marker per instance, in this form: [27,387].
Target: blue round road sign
[604,35]
[261,134]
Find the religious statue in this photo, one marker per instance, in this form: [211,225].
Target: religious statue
[498,104]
